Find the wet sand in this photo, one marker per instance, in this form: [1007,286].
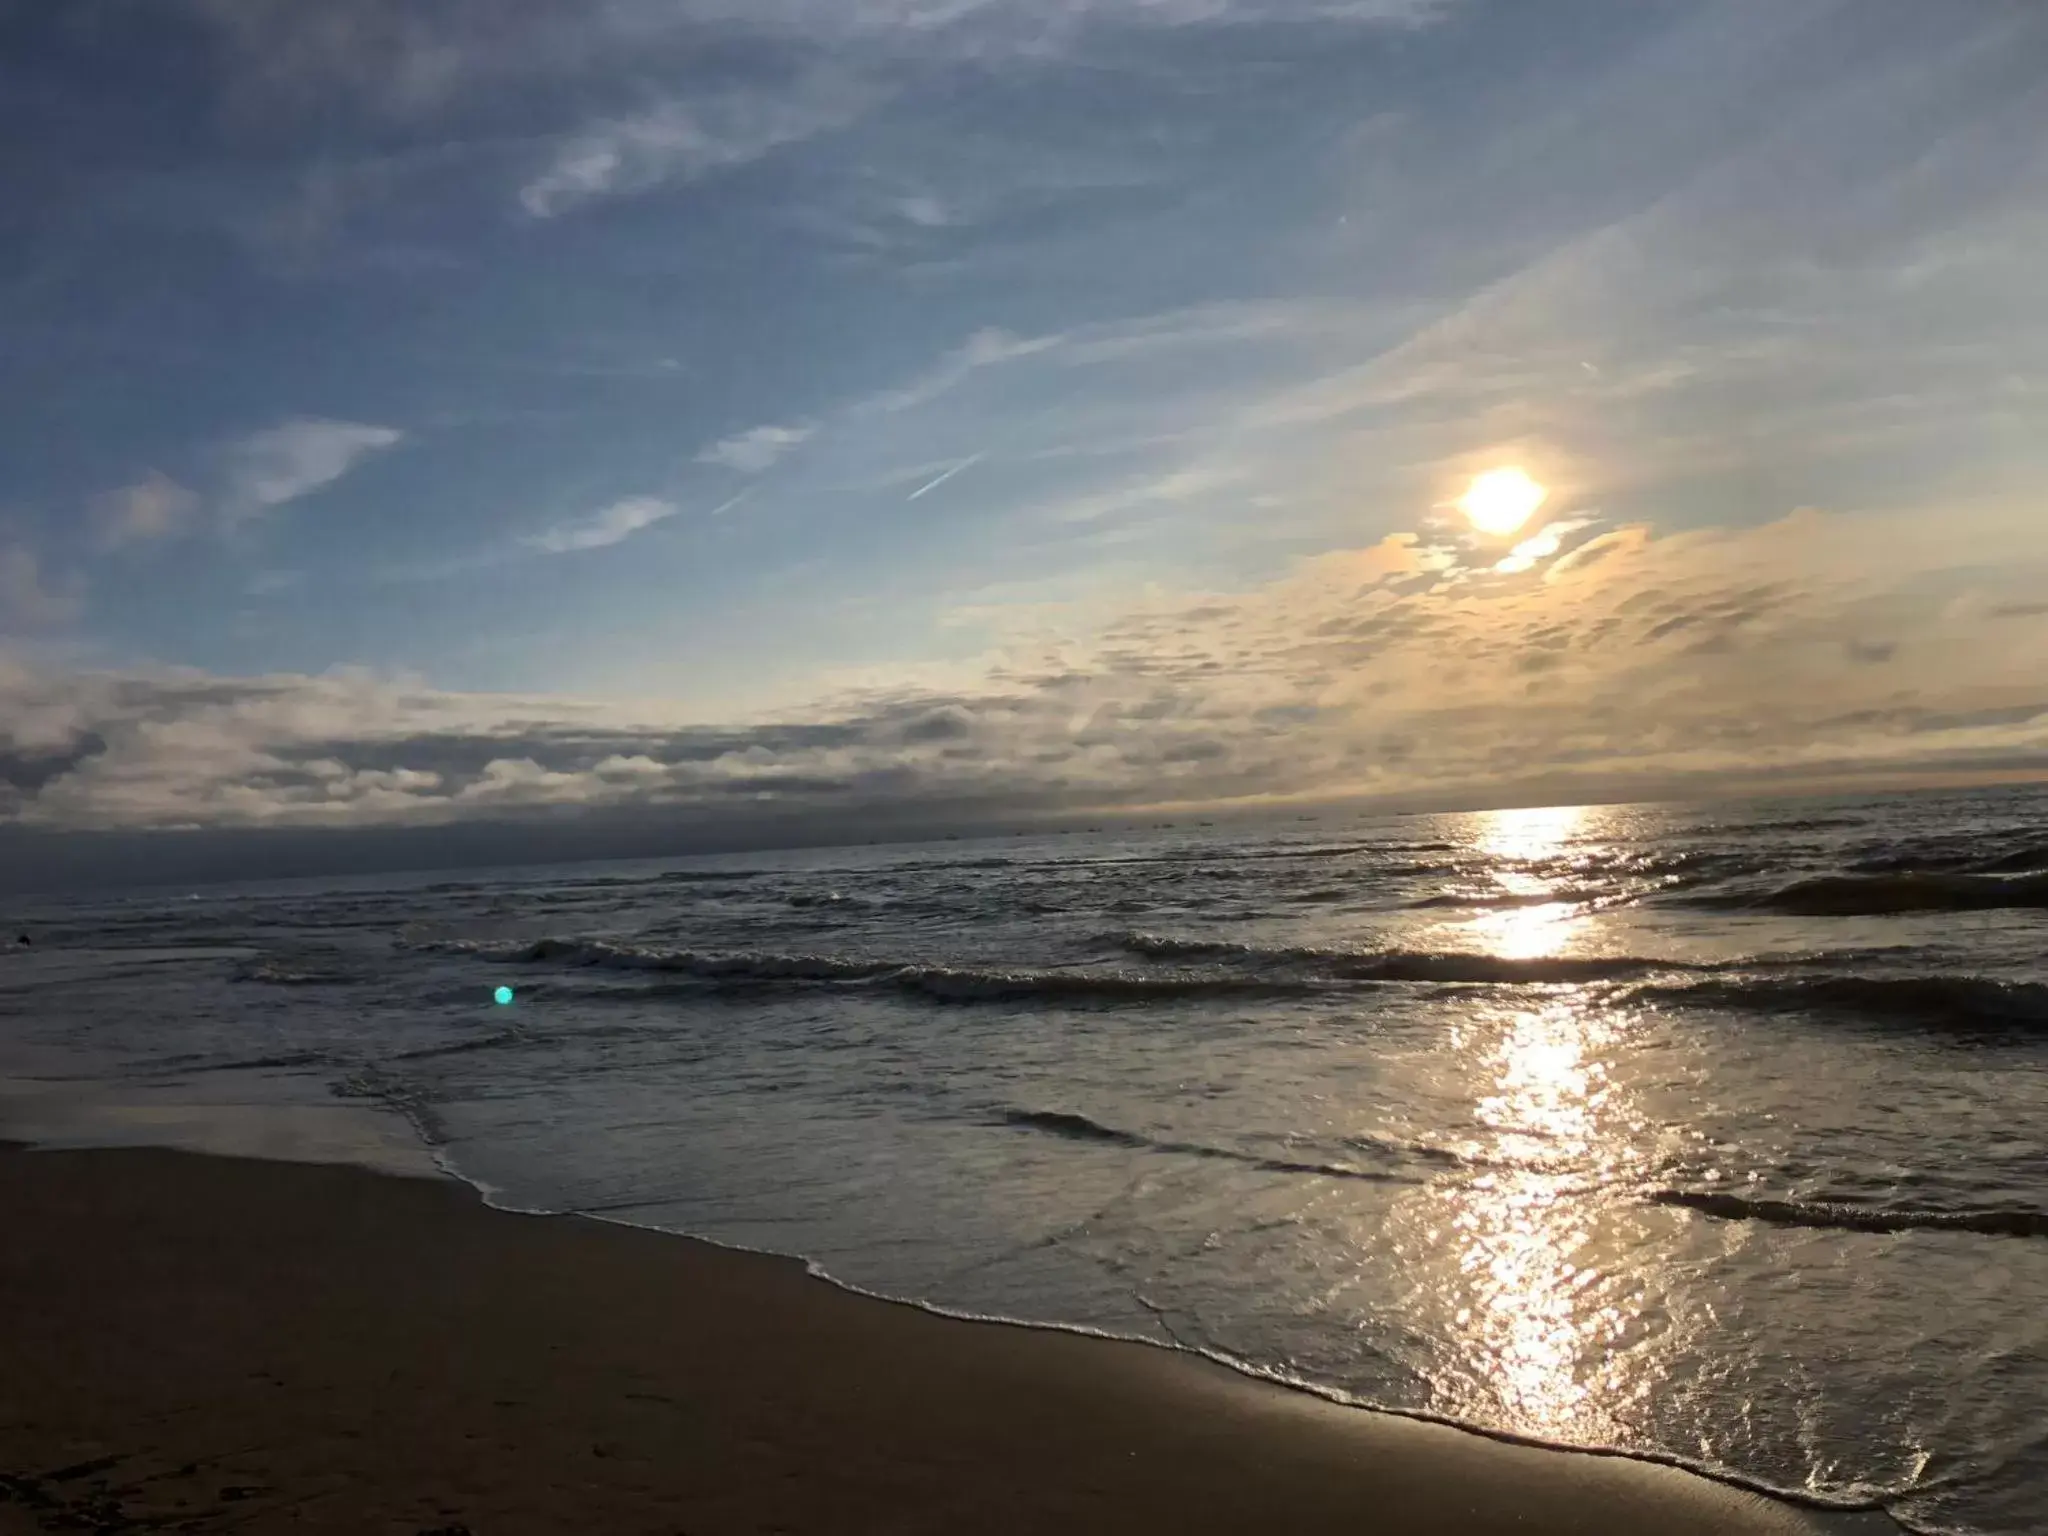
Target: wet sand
[205,1344]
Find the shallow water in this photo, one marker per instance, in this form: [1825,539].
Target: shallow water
[1718,1135]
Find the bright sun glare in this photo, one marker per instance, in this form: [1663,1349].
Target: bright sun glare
[1501,500]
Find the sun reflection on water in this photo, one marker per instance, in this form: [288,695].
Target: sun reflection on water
[1522,847]
[1536,1274]
[1530,835]
[1528,933]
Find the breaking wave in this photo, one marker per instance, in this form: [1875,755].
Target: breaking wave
[1895,894]
[1450,967]
[1828,1215]
[937,982]
[281,1062]
[1508,900]
[2020,861]
[1250,972]
[626,957]
[948,984]
[1925,1000]
[1501,970]
[1074,1127]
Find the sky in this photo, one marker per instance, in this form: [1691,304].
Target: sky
[752,414]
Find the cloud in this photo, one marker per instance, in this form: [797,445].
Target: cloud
[685,139]
[925,211]
[401,58]
[26,770]
[990,347]
[393,55]
[607,526]
[1024,20]
[28,599]
[154,508]
[294,459]
[1787,652]
[755,451]
[1630,347]
[255,474]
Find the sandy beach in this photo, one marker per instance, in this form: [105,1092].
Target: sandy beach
[205,1344]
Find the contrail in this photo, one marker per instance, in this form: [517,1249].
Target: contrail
[933,485]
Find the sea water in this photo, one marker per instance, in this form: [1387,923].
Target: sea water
[1712,1134]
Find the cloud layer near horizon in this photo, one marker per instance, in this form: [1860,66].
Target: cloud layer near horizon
[1816,645]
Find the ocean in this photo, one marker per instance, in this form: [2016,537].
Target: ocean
[1716,1134]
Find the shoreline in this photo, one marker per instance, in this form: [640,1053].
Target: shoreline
[1246,1370]
[385,1141]
[192,1303]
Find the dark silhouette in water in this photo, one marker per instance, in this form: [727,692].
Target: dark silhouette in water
[22,940]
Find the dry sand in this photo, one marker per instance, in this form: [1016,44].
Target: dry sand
[207,1344]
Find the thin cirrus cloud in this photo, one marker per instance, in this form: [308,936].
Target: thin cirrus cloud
[257,473]
[404,59]
[681,139]
[990,347]
[605,527]
[993,31]
[282,464]
[755,451]
[688,136]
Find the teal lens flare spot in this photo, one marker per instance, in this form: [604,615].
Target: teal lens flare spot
[503,995]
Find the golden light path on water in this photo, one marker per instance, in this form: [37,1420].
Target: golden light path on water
[1519,838]
[1541,1285]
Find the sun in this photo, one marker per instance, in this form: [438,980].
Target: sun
[1501,500]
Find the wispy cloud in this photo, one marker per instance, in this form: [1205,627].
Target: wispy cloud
[987,348]
[683,139]
[609,525]
[757,450]
[154,508]
[403,58]
[605,527]
[988,30]
[284,463]
[925,211]
[252,475]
